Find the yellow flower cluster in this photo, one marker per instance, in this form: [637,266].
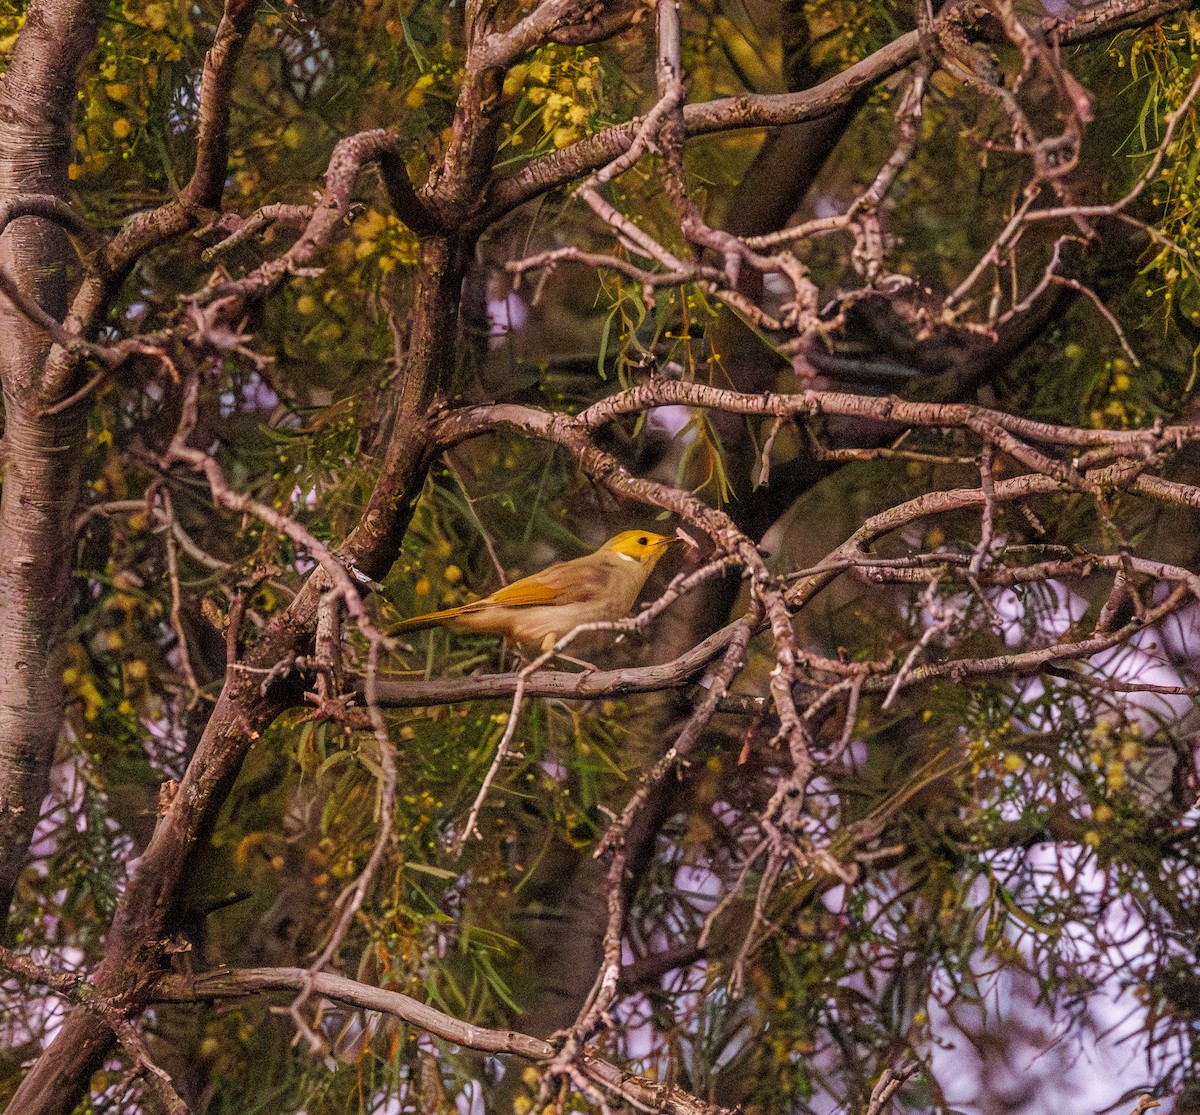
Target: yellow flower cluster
[1113,753]
[154,16]
[558,90]
[438,81]
[132,51]
[10,26]
[83,687]
[80,681]
[385,240]
[839,30]
[1119,411]
[1162,58]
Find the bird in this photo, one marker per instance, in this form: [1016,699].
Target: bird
[538,610]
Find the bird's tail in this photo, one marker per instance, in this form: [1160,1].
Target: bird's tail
[429,619]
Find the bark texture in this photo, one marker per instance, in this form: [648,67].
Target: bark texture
[42,453]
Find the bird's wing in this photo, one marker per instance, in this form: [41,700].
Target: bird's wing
[566,582]
[528,591]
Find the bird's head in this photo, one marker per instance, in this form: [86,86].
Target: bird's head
[640,546]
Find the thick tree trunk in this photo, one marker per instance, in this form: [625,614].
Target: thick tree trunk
[42,454]
[41,481]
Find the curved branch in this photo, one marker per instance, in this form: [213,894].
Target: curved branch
[470,421]
[724,114]
[641,1092]
[772,110]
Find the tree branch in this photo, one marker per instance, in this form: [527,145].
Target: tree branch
[772,110]
[641,1092]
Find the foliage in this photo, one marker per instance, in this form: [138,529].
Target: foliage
[961,827]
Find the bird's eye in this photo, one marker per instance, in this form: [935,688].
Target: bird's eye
[643,541]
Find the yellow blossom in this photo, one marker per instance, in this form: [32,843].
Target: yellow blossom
[154,16]
[1130,751]
[370,225]
[416,95]
[514,80]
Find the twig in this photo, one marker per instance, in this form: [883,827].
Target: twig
[1105,312]
[987,525]
[185,662]
[483,533]
[890,1081]
[856,688]
[510,726]
[240,229]
[351,899]
[130,1037]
